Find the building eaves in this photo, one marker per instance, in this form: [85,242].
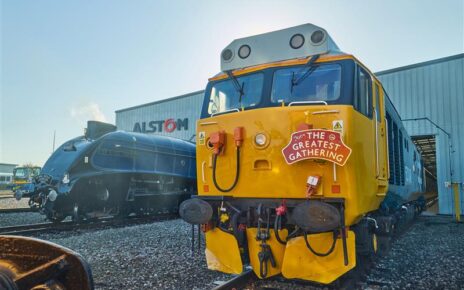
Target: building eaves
[420,64]
[161,101]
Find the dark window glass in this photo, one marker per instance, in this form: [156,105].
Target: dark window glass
[363,99]
[320,83]
[391,155]
[396,153]
[401,153]
[225,96]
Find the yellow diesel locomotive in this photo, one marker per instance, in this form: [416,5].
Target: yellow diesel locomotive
[303,166]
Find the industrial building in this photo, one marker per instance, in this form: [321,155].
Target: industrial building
[7,168]
[175,117]
[6,174]
[429,97]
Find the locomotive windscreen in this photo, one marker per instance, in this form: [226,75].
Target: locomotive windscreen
[317,83]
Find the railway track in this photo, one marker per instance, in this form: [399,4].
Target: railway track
[238,282]
[248,280]
[94,224]
[17,210]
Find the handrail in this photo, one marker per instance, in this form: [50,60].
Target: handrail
[203,172]
[325,112]
[388,148]
[376,143]
[226,111]
[307,102]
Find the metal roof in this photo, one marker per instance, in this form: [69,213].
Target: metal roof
[161,101]
[420,64]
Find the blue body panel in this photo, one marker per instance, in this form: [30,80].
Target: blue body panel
[411,184]
[121,152]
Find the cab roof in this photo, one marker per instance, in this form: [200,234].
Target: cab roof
[291,43]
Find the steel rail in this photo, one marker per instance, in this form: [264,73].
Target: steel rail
[17,210]
[239,281]
[94,224]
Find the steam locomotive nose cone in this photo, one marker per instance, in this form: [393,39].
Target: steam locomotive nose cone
[316,216]
[195,211]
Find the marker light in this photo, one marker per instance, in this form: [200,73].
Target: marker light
[297,41]
[227,55]
[317,36]
[244,51]
[260,139]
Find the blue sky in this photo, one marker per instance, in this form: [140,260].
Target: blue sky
[64,62]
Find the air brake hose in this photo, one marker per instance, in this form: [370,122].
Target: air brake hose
[276,229]
[321,254]
[237,172]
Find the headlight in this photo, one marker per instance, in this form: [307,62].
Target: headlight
[297,41]
[260,139]
[65,179]
[244,51]
[227,55]
[317,37]
[52,195]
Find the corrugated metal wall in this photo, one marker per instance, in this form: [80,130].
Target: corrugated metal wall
[7,168]
[435,90]
[177,108]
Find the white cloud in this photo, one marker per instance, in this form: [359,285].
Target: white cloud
[89,111]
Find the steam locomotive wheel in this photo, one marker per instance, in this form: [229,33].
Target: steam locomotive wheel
[76,214]
[57,217]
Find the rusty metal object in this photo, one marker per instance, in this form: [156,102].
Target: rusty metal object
[27,263]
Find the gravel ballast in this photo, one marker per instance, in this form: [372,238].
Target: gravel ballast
[13,219]
[151,256]
[430,255]
[157,256]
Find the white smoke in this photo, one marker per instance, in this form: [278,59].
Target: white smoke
[90,111]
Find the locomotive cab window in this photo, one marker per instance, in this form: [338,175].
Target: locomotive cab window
[225,95]
[300,84]
[363,97]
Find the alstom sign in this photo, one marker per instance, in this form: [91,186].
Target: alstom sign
[168,126]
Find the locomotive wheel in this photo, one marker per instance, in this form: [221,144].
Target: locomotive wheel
[76,214]
[56,217]
[375,244]
[384,245]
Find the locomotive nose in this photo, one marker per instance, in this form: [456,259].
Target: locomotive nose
[195,211]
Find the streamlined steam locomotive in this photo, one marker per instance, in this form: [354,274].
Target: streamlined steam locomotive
[109,172]
[304,167]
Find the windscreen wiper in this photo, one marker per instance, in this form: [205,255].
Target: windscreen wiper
[309,70]
[237,86]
